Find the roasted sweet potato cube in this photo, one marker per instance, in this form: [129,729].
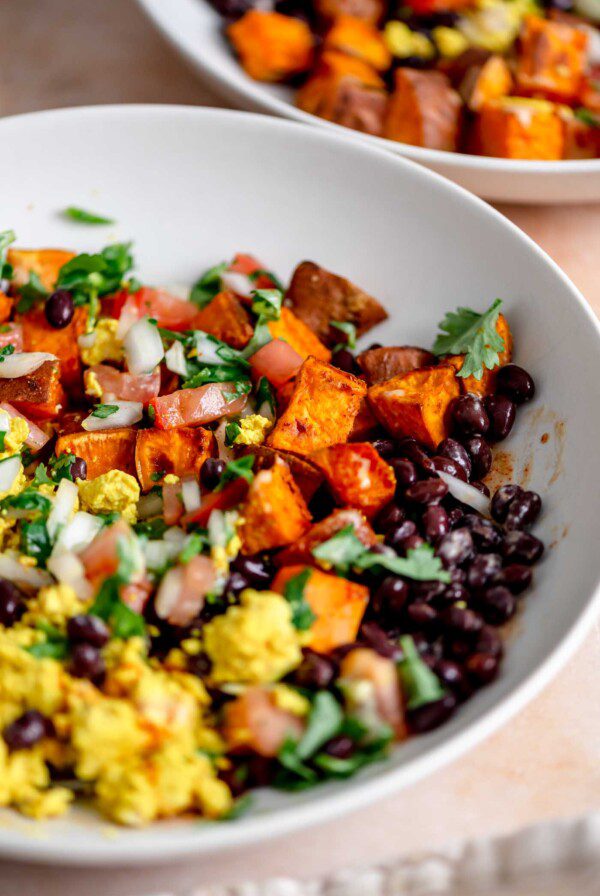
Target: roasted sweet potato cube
[113,449]
[356,37]
[487,384]
[589,90]
[424,110]
[6,306]
[345,101]
[271,46]
[488,81]
[380,364]
[302,339]
[552,59]
[318,297]
[416,404]
[39,336]
[300,551]
[46,263]
[226,318]
[364,422]
[38,395]
[178,451]
[357,476]
[274,512]
[581,140]
[518,128]
[306,476]
[368,10]
[322,409]
[338,604]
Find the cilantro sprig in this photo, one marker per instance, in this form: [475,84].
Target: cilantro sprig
[88,277]
[85,217]
[474,335]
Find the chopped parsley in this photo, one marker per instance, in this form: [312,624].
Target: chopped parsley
[474,335]
[84,217]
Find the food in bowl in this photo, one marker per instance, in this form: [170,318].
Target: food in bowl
[235,551]
[503,78]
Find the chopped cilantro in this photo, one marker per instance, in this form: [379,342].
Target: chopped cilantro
[419,684]
[207,287]
[240,388]
[28,500]
[197,541]
[160,474]
[263,272]
[5,351]
[265,396]
[350,332]
[302,615]
[89,276]
[31,293]
[260,337]
[587,117]
[60,466]
[35,540]
[83,217]
[6,238]
[2,438]
[56,645]
[124,621]
[474,335]
[240,467]
[151,529]
[266,303]
[232,431]
[105,410]
[40,477]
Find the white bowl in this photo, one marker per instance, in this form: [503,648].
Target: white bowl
[194,28]
[192,186]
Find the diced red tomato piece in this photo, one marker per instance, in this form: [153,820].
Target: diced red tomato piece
[182,591]
[234,492]
[120,386]
[168,310]
[192,407]
[100,558]
[248,264]
[276,360]
[253,722]
[172,503]
[11,334]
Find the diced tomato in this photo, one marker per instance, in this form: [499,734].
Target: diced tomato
[248,264]
[11,334]
[277,361]
[192,407]
[168,310]
[100,558]
[172,503]
[136,594]
[120,386]
[366,665]
[182,591]
[254,722]
[229,497]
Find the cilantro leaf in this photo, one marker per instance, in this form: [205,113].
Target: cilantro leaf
[60,466]
[474,335]
[197,541]
[56,645]
[35,540]
[207,287]
[31,293]
[242,387]
[260,337]
[105,410]
[85,217]
[89,276]
[350,332]
[232,431]
[5,351]
[324,722]
[265,398]
[151,529]
[302,615]
[240,467]
[263,272]
[266,303]
[124,621]
[28,500]
[3,434]
[40,477]
[419,684]
[341,551]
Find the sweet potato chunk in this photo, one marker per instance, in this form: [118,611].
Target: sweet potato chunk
[487,384]
[380,364]
[318,297]
[300,552]
[274,512]
[552,59]
[225,318]
[6,305]
[517,128]
[271,46]
[178,451]
[38,395]
[306,476]
[302,339]
[321,411]
[113,449]
[367,10]
[364,422]
[486,82]
[416,404]
[424,110]
[356,37]
[338,604]
[357,476]
[39,336]
[46,263]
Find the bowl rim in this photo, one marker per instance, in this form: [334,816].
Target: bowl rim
[196,839]
[253,96]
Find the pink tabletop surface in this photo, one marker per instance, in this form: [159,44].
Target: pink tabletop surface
[544,763]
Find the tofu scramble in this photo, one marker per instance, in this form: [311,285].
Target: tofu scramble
[235,550]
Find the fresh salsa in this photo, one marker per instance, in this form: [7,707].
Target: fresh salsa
[237,550]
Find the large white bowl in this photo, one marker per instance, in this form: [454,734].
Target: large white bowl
[192,187]
[195,29]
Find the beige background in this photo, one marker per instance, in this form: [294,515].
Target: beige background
[543,764]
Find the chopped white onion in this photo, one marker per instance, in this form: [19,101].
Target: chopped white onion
[175,359]
[149,505]
[79,532]
[29,576]
[207,349]
[129,315]
[23,363]
[225,452]
[176,536]
[10,468]
[65,501]
[240,284]
[4,421]
[158,553]
[127,413]
[466,494]
[143,347]
[87,340]
[67,568]
[190,493]
[168,592]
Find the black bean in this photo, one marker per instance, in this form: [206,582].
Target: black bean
[88,629]
[489,641]
[59,309]
[395,537]
[295,8]
[458,576]
[455,547]
[469,415]
[429,491]
[481,456]
[501,411]
[79,469]
[523,510]
[12,604]
[410,449]
[391,515]
[342,747]
[435,523]
[431,715]
[421,614]
[502,499]
[410,543]
[391,596]
[231,9]
[481,487]
[521,547]
[516,577]
[456,452]
[27,730]
[515,382]
[497,605]
[344,360]
[452,676]
[254,569]
[486,535]
[454,593]
[426,591]
[482,668]
[483,569]
[405,472]
[87,662]
[315,670]
[199,665]
[211,471]
[461,620]
[373,635]
[455,517]
[459,648]
[386,448]
[236,583]
[449,466]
